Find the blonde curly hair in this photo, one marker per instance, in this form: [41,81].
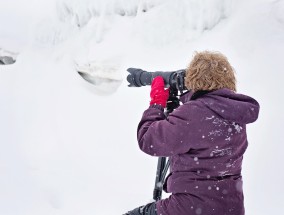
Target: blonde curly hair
[210,71]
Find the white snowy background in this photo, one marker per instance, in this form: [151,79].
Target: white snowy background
[69,148]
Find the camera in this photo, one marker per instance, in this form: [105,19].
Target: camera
[173,80]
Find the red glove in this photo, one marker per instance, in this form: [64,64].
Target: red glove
[158,93]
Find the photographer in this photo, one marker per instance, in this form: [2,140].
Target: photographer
[204,138]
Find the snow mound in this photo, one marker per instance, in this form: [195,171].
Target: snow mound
[103,75]
[7,57]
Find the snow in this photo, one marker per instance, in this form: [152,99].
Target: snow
[69,147]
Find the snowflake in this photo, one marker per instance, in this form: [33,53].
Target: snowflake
[221,152]
[237,127]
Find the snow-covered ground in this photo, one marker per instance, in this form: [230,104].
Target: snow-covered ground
[68,147]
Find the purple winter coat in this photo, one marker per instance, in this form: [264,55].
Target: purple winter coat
[205,139]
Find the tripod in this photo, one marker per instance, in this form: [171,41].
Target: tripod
[163,162]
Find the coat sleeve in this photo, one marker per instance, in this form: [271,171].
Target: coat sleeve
[161,136]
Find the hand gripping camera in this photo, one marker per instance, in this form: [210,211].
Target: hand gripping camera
[173,80]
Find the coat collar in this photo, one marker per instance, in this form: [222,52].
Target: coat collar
[190,95]
[185,97]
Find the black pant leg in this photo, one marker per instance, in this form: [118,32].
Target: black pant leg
[149,209]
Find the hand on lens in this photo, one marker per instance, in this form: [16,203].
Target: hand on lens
[159,95]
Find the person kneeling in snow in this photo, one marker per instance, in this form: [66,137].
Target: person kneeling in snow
[205,139]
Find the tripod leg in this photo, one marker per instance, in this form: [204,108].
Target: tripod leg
[157,194]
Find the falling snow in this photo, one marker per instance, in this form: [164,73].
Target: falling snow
[216,133]
[223,173]
[41,160]
[237,127]
[208,118]
[228,139]
[221,152]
